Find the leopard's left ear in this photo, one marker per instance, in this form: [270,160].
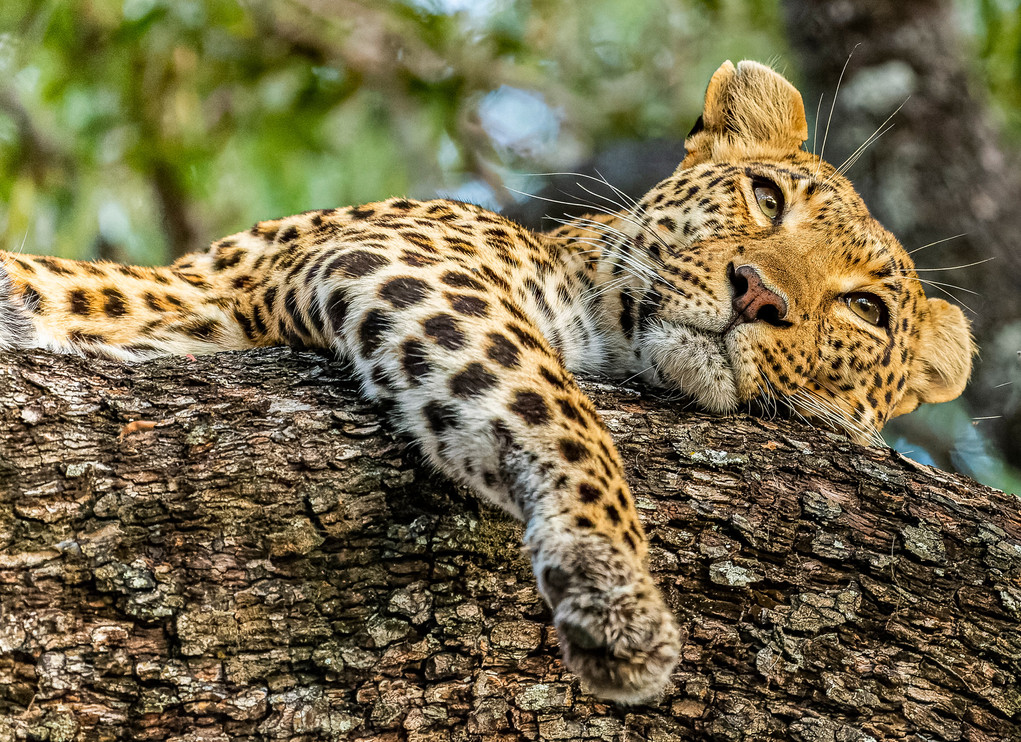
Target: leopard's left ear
[749,104]
[942,364]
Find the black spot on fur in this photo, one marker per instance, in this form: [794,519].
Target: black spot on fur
[588,492]
[627,313]
[78,302]
[33,301]
[195,280]
[404,291]
[494,278]
[474,380]
[471,306]
[375,325]
[568,410]
[381,378]
[269,297]
[246,325]
[551,378]
[360,213]
[414,360]
[457,280]
[227,259]
[53,265]
[445,331]
[612,513]
[531,407]
[527,339]
[649,307]
[357,263]
[336,310]
[291,306]
[114,303]
[502,350]
[439,416]
[257,320]
[573,450]
[202,330]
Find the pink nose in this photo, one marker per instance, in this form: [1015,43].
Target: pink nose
[752,301]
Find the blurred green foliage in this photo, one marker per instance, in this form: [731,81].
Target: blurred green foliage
[141,129]
[994,30]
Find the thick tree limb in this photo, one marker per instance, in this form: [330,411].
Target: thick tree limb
[235,548]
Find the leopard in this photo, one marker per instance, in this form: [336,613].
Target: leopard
[753,276]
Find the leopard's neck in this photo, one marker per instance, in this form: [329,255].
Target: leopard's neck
[599,251]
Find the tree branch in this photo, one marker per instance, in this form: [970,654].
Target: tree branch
[235,547]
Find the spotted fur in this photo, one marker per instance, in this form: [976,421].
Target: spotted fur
[473,327]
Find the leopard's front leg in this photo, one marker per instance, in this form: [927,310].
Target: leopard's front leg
[492,405]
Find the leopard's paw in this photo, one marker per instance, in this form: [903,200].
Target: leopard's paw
[615,631]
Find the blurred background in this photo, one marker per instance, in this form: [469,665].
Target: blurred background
[138,130]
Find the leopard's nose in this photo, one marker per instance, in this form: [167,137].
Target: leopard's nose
[752,300]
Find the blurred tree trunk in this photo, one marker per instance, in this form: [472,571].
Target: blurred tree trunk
[234,548]
[940,172]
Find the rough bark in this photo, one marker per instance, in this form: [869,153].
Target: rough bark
[941,171]
[235,548]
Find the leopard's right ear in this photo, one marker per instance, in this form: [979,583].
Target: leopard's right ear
[748,106]
[942,362]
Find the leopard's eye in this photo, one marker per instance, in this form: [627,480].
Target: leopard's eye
[769,198]
[869,307]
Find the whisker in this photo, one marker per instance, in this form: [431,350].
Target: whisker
[847,164]
[833,105]
[955,267]
[815,127]
[596,291]
[940,285]
[635,376]
[617,190]
[937,242]
[625,216]
[600,179]
[836,417]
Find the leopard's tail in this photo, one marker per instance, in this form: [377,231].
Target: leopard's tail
[118,311]
[16,329]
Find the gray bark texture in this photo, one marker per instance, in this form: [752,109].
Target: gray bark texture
[235,547]
[940,172]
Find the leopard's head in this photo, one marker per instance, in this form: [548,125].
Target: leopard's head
[759,276]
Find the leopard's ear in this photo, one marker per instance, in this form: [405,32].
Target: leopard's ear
[942,363]
[747,105]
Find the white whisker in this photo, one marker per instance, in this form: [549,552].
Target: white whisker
[937,242]
[833,105]
[954,267]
